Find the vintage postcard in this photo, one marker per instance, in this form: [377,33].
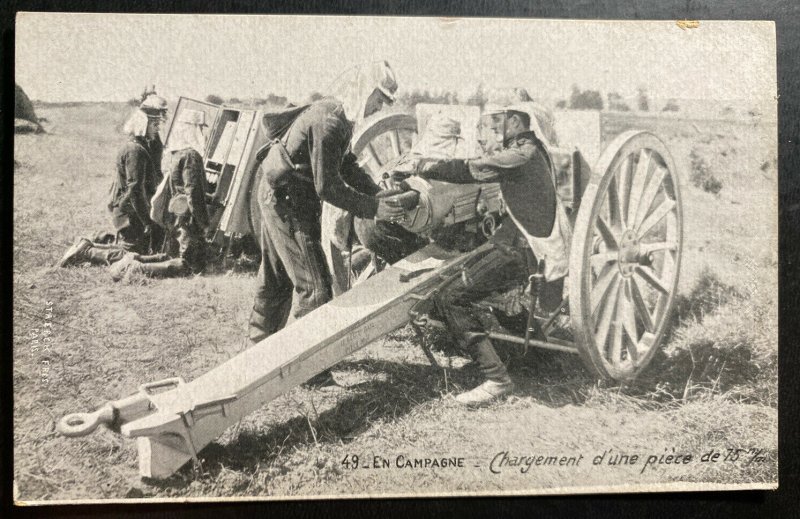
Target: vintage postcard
[302,257]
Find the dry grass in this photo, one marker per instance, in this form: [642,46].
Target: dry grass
[714,387]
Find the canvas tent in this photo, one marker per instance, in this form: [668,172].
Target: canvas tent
[24,115]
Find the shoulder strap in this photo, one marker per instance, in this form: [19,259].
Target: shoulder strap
[147,152]
[297,169]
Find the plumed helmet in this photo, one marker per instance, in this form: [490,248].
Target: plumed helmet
[355,85]
[154,106]
[385,79]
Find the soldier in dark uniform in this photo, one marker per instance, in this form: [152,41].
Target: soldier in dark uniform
[294,278]
[518,161]
[188,219]
[187,183]
[155,106]
[131,191]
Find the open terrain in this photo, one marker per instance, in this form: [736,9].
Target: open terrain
[714,386]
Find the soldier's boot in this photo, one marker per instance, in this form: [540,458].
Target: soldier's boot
[267,317]
[75,253]
[164,268]
[103,256]
[497,385]
[486,393]
[84,251]
[128,261]
[321,381]
[257,327]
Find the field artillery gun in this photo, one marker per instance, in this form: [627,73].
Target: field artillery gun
[623,274]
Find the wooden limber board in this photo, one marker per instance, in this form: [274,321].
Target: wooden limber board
[291,356]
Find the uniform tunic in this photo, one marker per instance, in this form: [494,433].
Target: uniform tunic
[294,278]
[522,169]
[134,185]
[188,178]
[320,137]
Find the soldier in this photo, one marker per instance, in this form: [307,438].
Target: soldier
[187,181]
[133,186]
[155,106]
[516,159]
[290,199]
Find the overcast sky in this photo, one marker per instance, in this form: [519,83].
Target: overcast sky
[110,57]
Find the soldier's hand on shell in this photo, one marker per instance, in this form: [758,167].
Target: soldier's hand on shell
[386,193]
[409,199]
[390,210]
[404,168]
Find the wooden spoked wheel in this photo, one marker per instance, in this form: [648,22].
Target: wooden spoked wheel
[381,138]
[626,255]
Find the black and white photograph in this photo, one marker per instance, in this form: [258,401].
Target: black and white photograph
[283,257]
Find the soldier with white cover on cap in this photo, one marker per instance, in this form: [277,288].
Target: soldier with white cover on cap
[134,183]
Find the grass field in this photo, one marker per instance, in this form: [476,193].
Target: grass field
[714,386]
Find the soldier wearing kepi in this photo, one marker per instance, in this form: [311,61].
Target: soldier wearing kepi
[311,165]
[153,105]
[518,161]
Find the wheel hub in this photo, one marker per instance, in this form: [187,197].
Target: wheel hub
[629,253]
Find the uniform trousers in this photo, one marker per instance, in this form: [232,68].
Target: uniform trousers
[293,278]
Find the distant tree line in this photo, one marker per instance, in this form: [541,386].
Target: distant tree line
[271,100]
[417,96]
[593,100]
[579,99]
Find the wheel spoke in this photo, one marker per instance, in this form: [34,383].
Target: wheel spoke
[614,211]
[600,289]
[394,139]
[374,154]
[641,307]
[629,315]
[647,341]
[654,217]
[647,248]
[649,196]
[629,324]
[601,258]
[606,317]
[363,160]
[616,339]
[624,185]
[652,278]
[639,179]
[607,234]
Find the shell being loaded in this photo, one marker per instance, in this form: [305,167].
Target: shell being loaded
[442,204]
